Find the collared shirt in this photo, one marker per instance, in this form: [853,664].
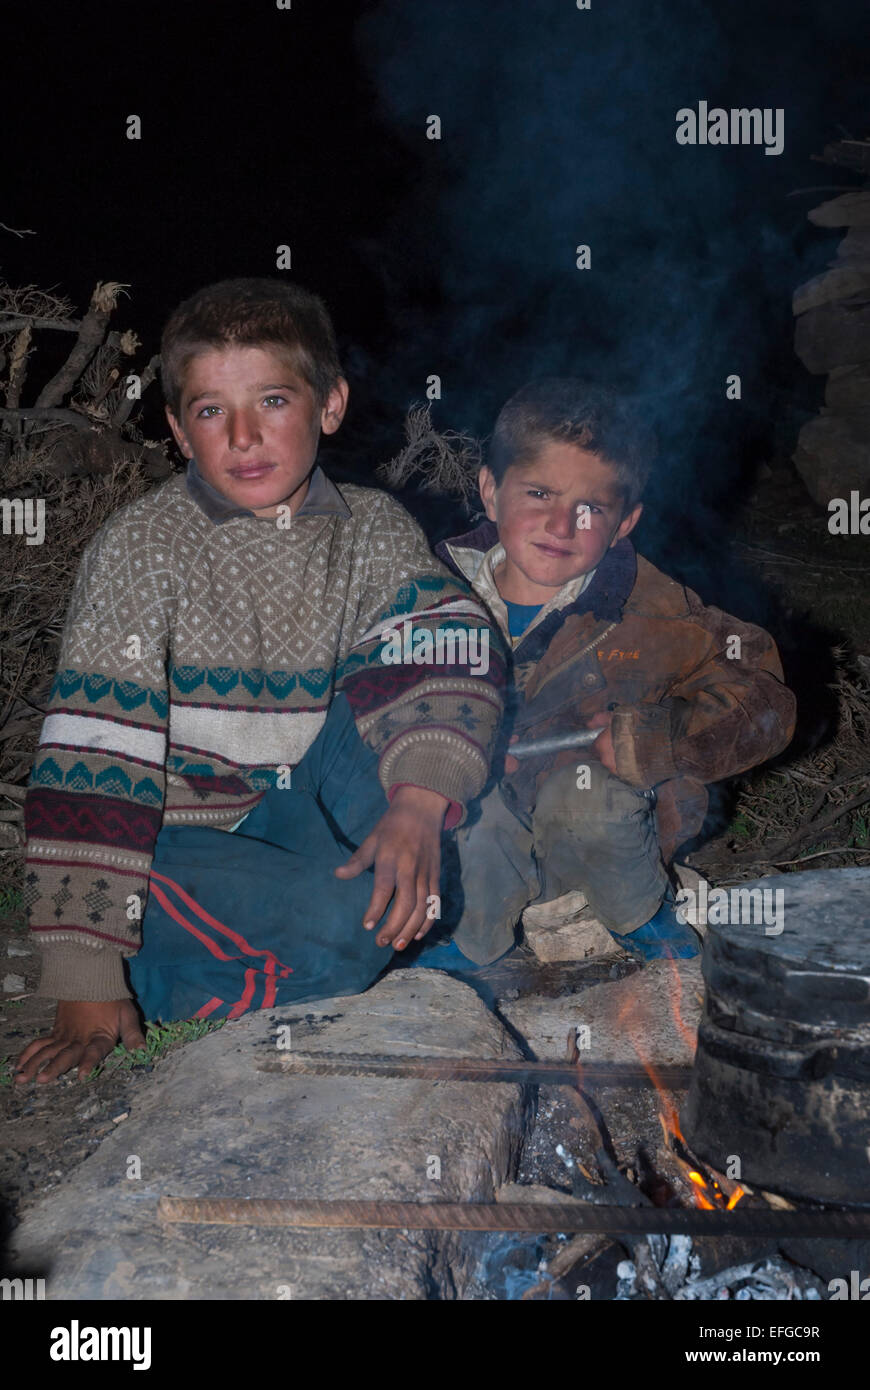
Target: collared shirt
[483,582]
[322,499]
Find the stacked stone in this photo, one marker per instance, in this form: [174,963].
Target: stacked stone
[833,336]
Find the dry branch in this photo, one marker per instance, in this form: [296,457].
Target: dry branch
[146,378]
[90,336]
[18,231]
[18,366]
[447,462]
[54,415]
[10,322]
[813,829]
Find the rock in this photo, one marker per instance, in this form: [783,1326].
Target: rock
[534,1192]
[848,389]
[855,246]
[576,940]
[831,459]
[849,210]
[555,912]
[653,1014]
[839,283]
[13,984]
[690,880]
[834,335]
[13,949]
[212,1122]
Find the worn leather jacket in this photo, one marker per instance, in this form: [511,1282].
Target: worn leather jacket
[697,695]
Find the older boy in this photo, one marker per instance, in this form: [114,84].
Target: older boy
[683,694]
[225,632]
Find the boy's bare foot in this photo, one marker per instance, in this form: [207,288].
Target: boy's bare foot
[83,1034]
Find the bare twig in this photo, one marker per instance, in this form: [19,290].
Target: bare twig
[783,558]
[840,849]
[18,231]
[447,462]
[813,829]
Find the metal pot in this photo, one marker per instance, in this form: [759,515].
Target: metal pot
[781,1078]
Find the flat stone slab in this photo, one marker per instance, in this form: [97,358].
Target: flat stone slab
[214,1124]
[572,941]
[652,1015]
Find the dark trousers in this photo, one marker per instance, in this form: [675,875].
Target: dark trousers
[600,841]
[256,918]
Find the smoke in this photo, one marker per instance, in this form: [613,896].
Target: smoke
[558,130]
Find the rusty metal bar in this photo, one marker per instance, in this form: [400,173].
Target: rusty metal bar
[536,748]
[511,1216]
[546,1073]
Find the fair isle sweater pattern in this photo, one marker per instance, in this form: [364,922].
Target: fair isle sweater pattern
[197,664]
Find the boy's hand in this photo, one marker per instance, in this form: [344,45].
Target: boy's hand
[83,1034]
[602,748]
[405,848]
[510,762]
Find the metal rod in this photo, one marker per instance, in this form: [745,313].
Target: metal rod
[536,748]
[529,1073]
[511,1216]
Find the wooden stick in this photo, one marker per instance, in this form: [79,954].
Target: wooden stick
[145,380]
[90,335]
[11,321]
[52,415]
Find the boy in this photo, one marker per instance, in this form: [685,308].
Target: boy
[683,694]
[226,631]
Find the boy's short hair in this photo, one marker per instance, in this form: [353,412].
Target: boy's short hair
[572,411]
[251,313]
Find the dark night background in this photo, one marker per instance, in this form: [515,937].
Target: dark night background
[307,127]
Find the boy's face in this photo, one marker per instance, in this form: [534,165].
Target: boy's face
[557,517]
[253,426]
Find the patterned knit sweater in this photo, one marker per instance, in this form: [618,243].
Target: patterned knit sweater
[202,648]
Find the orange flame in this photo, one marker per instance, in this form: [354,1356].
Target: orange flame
[707,1194]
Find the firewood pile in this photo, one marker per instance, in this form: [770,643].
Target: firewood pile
[83,415]
[70,445]
[832,337]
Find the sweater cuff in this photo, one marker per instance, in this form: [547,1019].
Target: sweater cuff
[88,975]
[439,761]
[642,745]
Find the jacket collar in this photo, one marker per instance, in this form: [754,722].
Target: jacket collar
[322,499]
[605,596]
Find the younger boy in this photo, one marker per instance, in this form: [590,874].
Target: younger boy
[683,694]
[226,631]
